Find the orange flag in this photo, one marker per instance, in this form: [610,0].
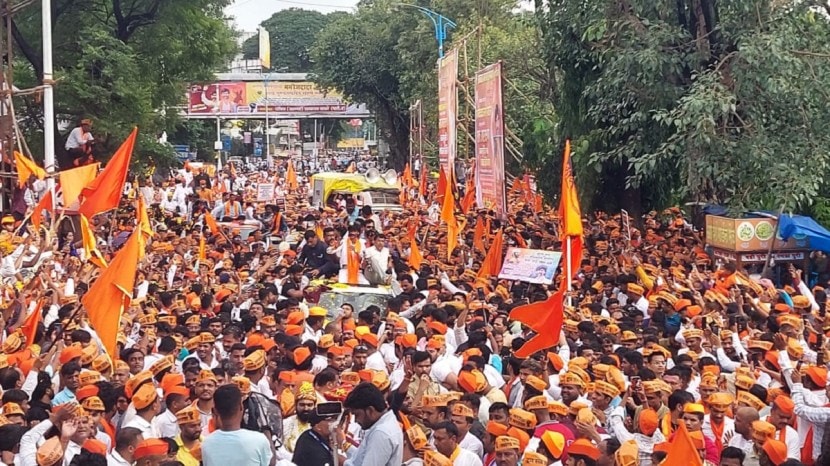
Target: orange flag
[211,223]
[492,262]
[74,181]
[291,177]
[26,167]
[469,199]
[44,204]
[318,229]
[202,252]
[29,327]
[407,177]
[104,193]
[478,235]
[543,315]
[448,215]
[517,186]
[91,252]
[546,317]
[570,215]
[353,261]
[112,292]
[143,219]
[682,449]
[441,188]
[415,256]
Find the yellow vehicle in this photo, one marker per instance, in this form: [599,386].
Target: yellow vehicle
[381,191]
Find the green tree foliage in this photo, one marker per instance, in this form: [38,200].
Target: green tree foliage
[122,63]
[292,34]
[385,56]
[692,100]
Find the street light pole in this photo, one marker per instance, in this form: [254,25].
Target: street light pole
[48,92]
[441,23]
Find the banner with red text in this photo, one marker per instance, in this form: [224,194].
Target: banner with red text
[490,190]
[447,110]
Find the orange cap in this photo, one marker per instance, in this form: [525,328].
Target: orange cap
[583,447]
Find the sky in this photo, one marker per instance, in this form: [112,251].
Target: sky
[248,14]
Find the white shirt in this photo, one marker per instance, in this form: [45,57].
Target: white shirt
[165,424]
[114,459]
[375,362]
[738,441]
[728,428]
[146,428]
[467,458]
[77,138]
[472,444]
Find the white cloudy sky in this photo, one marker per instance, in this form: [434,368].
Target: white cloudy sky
[249,13]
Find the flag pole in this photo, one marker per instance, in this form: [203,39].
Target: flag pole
[568,270]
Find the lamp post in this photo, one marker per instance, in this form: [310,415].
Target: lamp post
[441,23]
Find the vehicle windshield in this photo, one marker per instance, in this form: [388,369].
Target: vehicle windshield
[332,301]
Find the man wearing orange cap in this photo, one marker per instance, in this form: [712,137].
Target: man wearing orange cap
[147,405]
[646,437]
[693,414]
[463,417]
[812,420]
[781,416]
[205,352]
[190,437]
[582,453]
[204,389]
[294,426]
[151,452]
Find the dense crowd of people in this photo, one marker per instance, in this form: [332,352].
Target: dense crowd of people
[226,357]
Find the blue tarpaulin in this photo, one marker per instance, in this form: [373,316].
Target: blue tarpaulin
[799,226]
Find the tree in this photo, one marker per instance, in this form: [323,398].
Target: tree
[692,100]
[121,63]
[359,55]
[385,56]
[292,34]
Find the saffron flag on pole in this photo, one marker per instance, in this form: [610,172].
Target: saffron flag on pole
[479,234]
[104,192]
[448,215]
[211,224]
[415,256]
[202,252]
[682,449]
[144,219]
[545,318]
[74,181]
[45,203]
[29,327]
[27,167]
[91,252]
[112,292]
[491,265]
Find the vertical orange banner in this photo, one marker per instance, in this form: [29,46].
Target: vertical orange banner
[490,191]
[447,111]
